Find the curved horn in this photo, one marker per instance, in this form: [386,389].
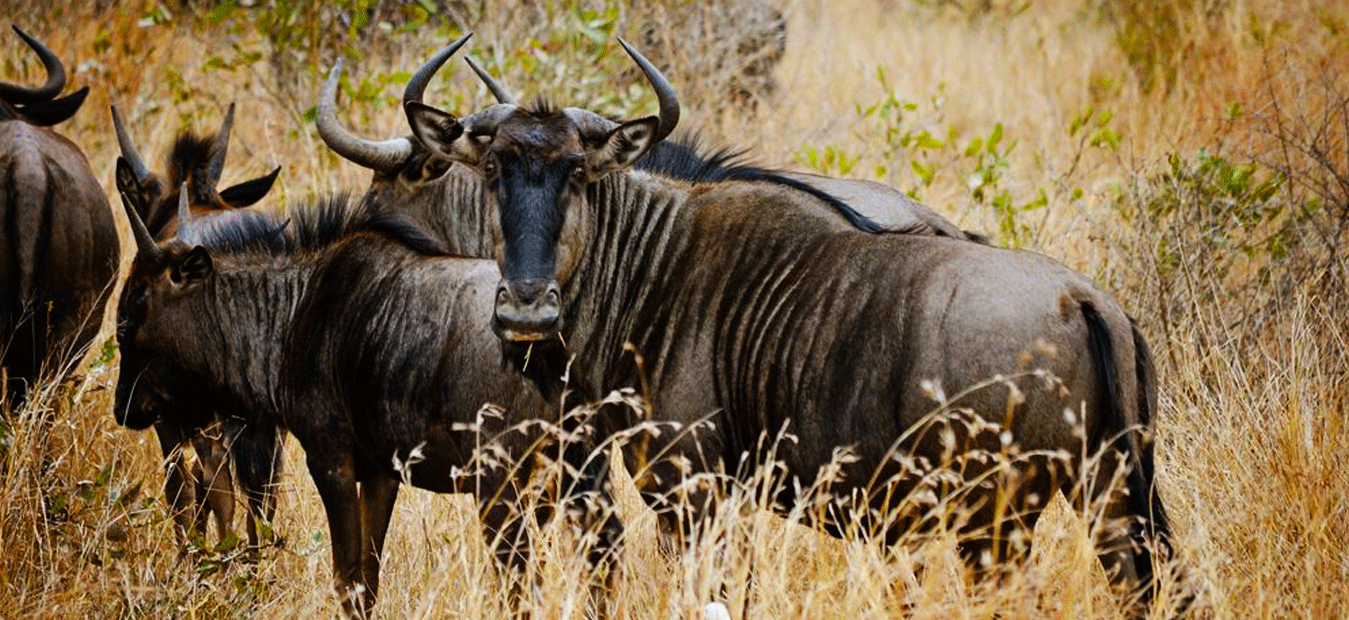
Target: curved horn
[56,76]
[417,85]
[219,149]
[381,156]
[128,147]
[184,216]
[665,93]
[145,244]
[498,91]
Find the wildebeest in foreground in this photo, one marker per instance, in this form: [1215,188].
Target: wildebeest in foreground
[685,159]
[58,242]
[183,202]
[767,311]
[350,329]
[449,200]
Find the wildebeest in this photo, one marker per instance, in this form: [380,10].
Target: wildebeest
[352,330]
[448,200]
[767,311]
[183,202]
[58,242]
[684,159]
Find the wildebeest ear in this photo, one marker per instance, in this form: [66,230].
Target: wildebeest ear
[49,113]
[249,192]
[436,129]
[625,144]
[128,186]
[194,267]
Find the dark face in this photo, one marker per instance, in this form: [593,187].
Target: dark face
[538,190]
[536,166]
[161,374]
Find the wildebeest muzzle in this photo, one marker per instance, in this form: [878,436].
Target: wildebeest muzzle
[528,310]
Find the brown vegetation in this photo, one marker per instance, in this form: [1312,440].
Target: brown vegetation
[1190,155]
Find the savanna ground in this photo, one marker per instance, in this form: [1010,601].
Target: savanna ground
[1190,155]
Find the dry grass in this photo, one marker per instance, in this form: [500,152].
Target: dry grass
[1254,443]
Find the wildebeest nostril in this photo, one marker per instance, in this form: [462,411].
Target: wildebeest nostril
[528,308]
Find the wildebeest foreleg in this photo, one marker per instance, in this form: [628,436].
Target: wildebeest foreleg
[217,482]
[257,463]
[378,495]
[504,529]
[180,486]
[335,478]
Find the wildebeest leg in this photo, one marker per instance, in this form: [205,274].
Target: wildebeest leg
[217,482]
[334,476]
[180,487]
[1116,543]
[378,495]
[504,529]
[589,495]
[257,463]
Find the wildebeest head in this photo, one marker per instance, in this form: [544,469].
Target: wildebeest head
[195,162]
[39,106]
[536,162]
[161,363]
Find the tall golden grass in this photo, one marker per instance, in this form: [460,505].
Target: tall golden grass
[1253,451]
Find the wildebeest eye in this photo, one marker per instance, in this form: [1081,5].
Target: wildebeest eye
[489,167]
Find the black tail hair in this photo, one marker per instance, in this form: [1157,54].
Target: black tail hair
[1143,500]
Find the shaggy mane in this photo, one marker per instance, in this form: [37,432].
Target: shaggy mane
[314,226]
[686,159]
[190,155]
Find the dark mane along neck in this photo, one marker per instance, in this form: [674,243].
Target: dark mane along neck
[315,226]
[685,159]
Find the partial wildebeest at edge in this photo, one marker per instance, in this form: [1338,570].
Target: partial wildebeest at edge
[183,202]
[350,329]
[58,242]
[766,310]
[449,200]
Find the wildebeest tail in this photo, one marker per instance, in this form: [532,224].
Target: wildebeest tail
[1128,437]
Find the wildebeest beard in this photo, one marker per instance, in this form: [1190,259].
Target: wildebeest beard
[543,362]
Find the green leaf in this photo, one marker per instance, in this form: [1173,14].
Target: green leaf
[975,146]
[926,141]
[1040,201]
[924,172]
[994,138]
[1080,121]
[220,13]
